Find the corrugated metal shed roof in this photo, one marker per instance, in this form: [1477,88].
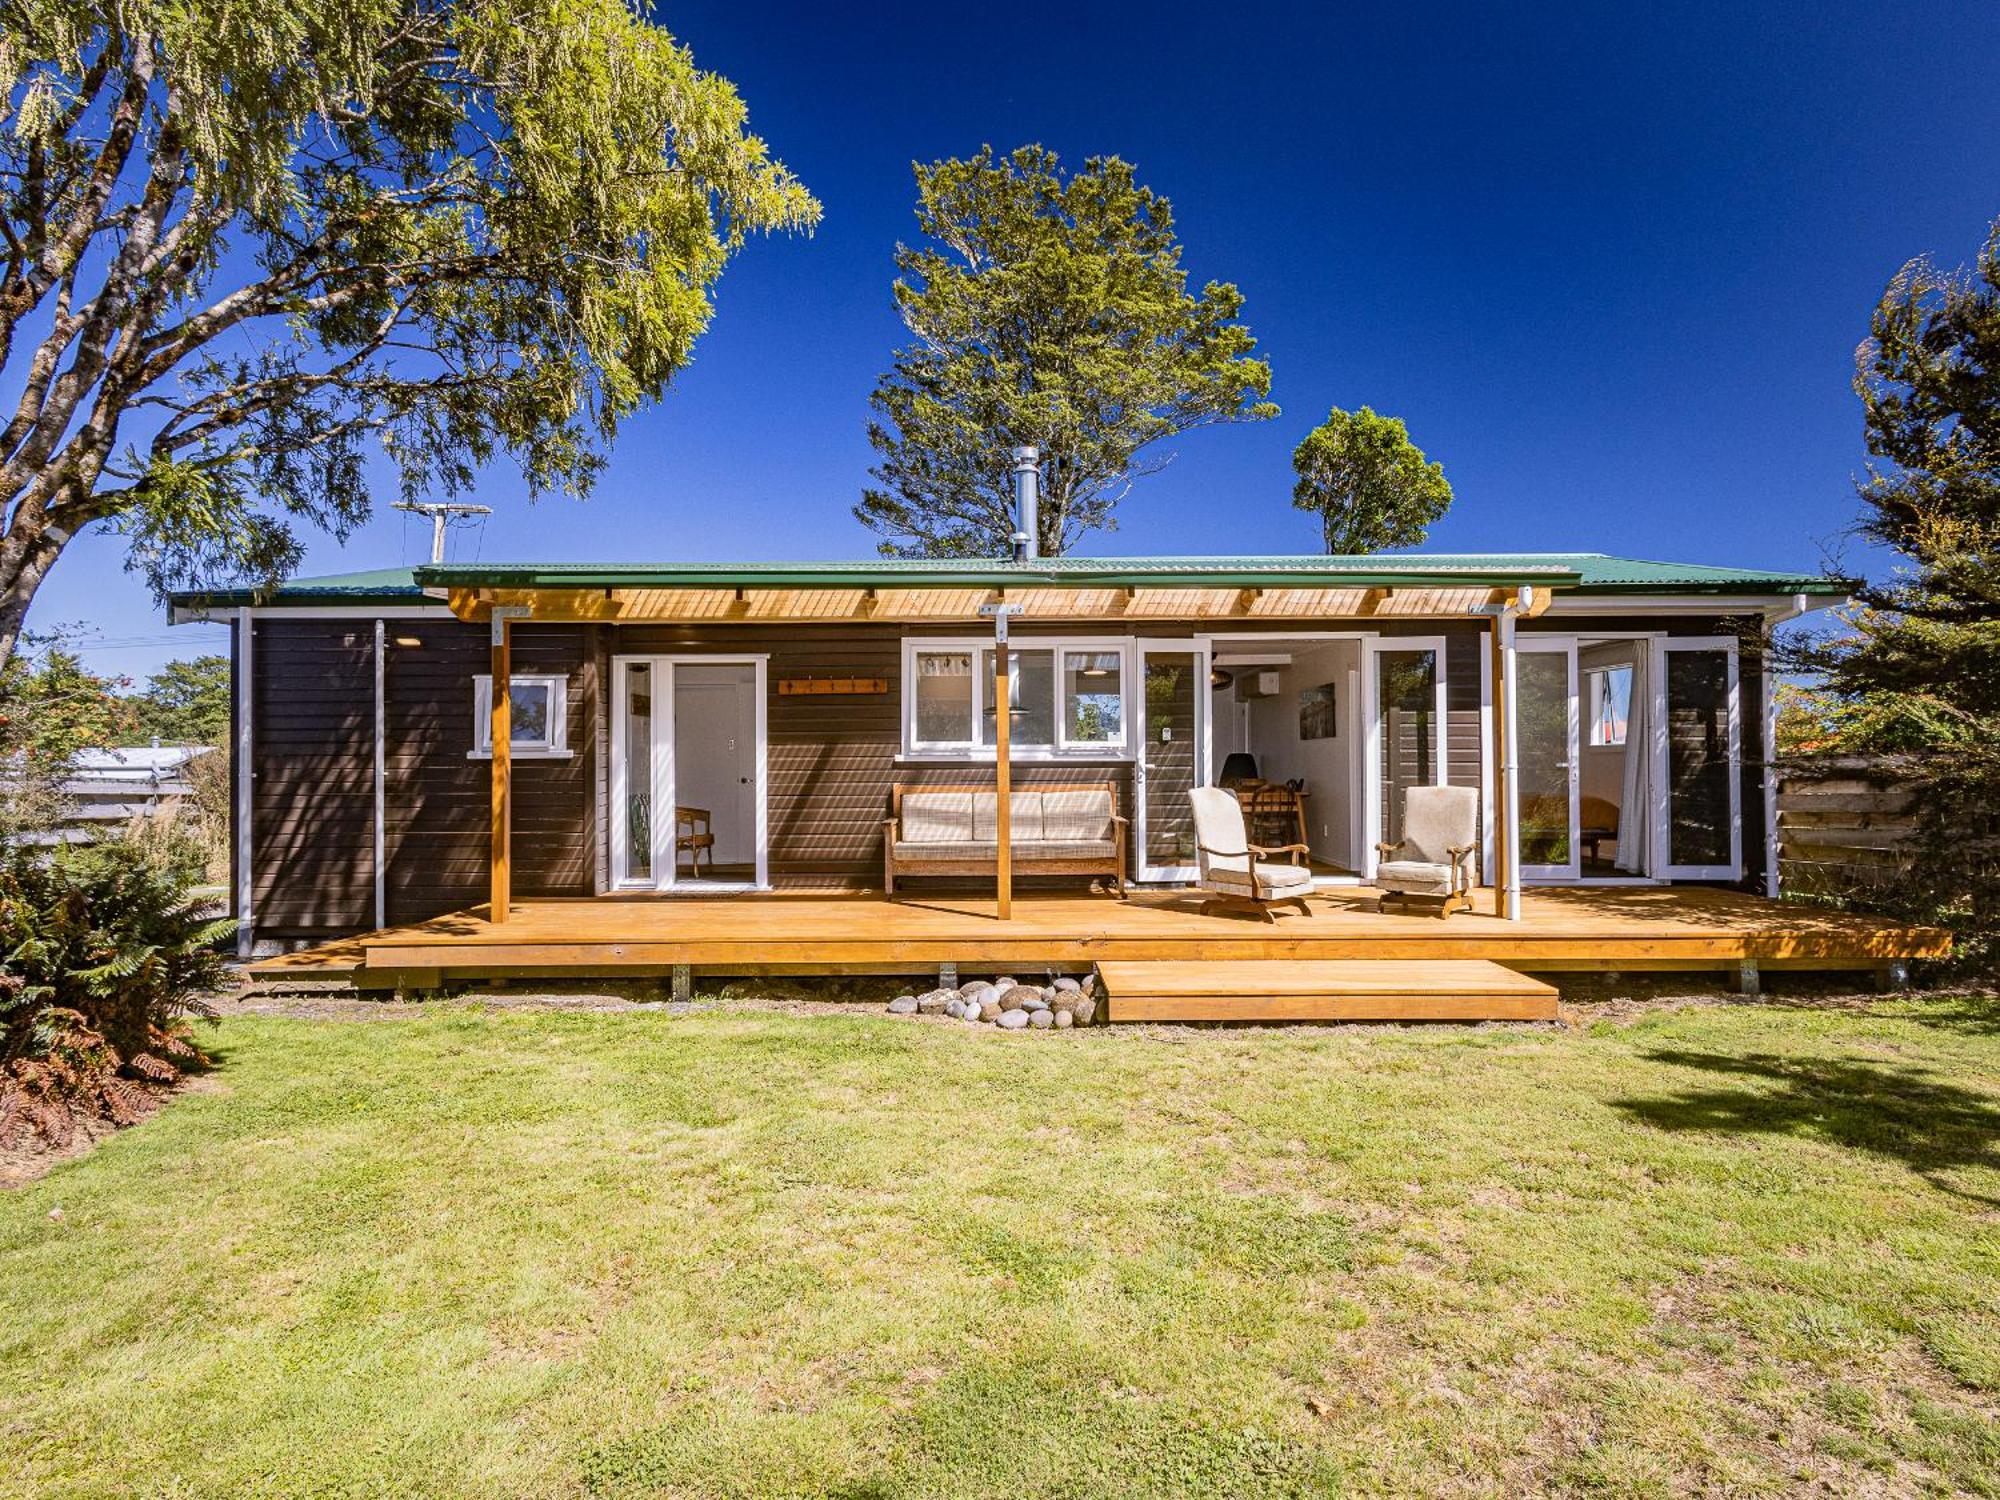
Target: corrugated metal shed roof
[1571,572]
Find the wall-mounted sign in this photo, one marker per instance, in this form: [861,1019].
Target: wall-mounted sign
[830,687]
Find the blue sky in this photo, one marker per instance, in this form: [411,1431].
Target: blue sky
[1610,264]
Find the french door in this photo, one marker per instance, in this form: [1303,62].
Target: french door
[1170,755]
[688,763]
[1697,758]
[1403,705]
[1549,730]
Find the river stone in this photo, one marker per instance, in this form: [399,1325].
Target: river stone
[1065,1001]
[903,1005]
[1085,1010]
[976,992]
[1042,1019]
[1090,984]
[1014,1020]
[1027,991]
[933,1001]
[989,1008]
[1036,1003]
[955,1008]
[1068,985]
[1064,1020]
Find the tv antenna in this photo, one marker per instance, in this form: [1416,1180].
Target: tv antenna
[441,513]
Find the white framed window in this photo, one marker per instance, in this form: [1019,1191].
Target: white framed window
[538,710]
[1069,699]
[1092,703]
[1609,694]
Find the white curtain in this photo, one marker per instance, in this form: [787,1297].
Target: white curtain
[1635,800]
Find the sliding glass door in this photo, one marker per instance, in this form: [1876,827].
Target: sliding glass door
[1404,689]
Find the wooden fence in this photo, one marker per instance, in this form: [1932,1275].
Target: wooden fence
[1843,823]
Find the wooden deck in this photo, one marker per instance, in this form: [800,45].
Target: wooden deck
[1603,927]
[1324,989]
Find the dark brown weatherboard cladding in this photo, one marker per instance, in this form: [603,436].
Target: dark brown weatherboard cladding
[832,759]
[313,793]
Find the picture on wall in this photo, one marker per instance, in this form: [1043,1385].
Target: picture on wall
[1317,717]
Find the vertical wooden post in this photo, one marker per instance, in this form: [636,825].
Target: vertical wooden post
[1003,771]
[503,772]
[1503,836]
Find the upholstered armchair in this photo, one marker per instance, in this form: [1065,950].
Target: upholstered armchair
[1431,866]
[1232,870]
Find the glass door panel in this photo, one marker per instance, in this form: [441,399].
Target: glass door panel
[1547,724]
[1169,758]
[1406,695]
[638,748]
[1701,750]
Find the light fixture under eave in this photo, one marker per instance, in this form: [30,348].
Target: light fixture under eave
[1220,678]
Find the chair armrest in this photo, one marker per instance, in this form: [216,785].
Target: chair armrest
[1121,820]
[1224,853]
[1459,851]
[1390,848]
[1281,849]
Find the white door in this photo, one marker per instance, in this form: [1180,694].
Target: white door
[1169,755]
[715,747]
[688,732]
[1697,759]
[1549,729]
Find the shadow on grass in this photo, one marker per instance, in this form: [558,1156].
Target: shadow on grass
[1906,1114]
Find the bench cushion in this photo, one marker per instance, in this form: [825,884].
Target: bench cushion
[1270,880]
[1077,814]
[1027,826]
[939,817]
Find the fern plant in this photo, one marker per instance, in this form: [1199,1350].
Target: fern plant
[105,959]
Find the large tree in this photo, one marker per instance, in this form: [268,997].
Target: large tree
[184,703]
[1370,486]
[244,247]
[1917,670]
[1050,308]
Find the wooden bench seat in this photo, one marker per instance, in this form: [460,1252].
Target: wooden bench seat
[954,830]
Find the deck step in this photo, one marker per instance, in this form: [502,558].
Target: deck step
[1344,989]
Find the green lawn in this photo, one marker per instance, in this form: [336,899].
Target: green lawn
[1725,1249]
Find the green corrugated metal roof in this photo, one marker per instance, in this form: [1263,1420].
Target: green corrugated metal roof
[1572,572]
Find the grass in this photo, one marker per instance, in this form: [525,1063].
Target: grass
[1738,1250]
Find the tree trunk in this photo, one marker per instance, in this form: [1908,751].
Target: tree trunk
[18,582]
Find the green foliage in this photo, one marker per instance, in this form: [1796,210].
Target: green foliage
[1369,484]
[254,246]
[1050,308]
[184,703]
[103,957]
[1916,668]
[52,708]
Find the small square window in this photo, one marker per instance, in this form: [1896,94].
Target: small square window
[537,711]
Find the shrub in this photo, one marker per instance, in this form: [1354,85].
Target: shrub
[104,957]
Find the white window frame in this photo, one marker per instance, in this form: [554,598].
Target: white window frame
[978,647]
[554,747]
[1094,747]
